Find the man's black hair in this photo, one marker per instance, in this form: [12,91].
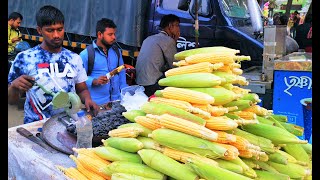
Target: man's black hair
[14,16]
[104,23]
[49,15]
[284,19]
[168,19]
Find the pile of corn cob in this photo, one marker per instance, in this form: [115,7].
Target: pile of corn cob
[202,125]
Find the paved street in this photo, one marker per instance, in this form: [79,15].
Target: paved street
[15,116]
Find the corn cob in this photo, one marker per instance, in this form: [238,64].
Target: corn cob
[88,173]
[250,163]
[188,143]
[231,78]
[264,143]
[264,166]
[307,148]
[260,111]
[90,153]
[270,176]
[213,110]
[132,168]
[72,173]
[166,165]
[145,132]
[183,156]
[213,172]
[180,104]
[149,143]
[125,144]
[225,68]
[112,154]
[293,128]
[225,164]
[261,156]
[237,71]
[221,95]
[247,171]
[148,122]
[241,104]
[130,115]
[248,153]
[245,115]
[297,151]
[221,123]
[265,121]
[291,159]
[228,86]
[183,54]
[93,165]
[215,57]
[239,90]
[243,144]
[275,134]
[204,67]
[279,117]
[252,97]
[191,80]
[125,176]
[224,137]
[128,132]
[278,158]
[232,152]
[159,109]
[186,95]
[185,126]
[291,169]
[180,63]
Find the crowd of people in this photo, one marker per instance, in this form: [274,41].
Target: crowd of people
[56,68]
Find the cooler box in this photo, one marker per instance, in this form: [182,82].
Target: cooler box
[292,86]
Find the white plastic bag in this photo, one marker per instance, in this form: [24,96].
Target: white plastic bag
[133,97]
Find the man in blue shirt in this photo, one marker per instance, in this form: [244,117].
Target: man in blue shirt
[49,64]
[102,89]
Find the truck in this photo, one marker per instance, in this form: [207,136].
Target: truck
[231,23]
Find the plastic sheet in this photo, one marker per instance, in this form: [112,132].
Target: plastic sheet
[27,160]
[133,97]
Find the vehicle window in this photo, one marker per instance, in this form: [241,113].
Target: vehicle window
[203,6]
[235,8]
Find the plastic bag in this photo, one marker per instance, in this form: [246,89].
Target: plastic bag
[133,97]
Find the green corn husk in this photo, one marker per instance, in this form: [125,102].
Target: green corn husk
[265,121]
[230,166]
[125,176]
[188,143]
[291,158]
[265,166]
[130,115]
[112,154]
[307,147]
[264,143]
[159,109]
[125,144]
[292,128]
[231,78]
[297,151]
[291,169]
[247,171]
[232,116]
[149,143]
[221,95]
[197,80]
[166,165]
[276,134]
[145,131]
[278,158]
[241,104]
[253,97]
[132,168]
[250,162]
[280,118]
[213,172]
[265,175]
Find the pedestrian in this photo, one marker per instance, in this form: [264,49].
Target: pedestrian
[302,31]
[272,5]
[291,44]
[49,65]
[14,35]
[107,56]
[296,22]
[157,54]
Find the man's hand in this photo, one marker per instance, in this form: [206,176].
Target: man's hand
[23,83]
[15,39]
[100,81]
[90,105]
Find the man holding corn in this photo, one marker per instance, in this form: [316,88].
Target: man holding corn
[157,54]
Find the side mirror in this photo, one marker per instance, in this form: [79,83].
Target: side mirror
[183,5]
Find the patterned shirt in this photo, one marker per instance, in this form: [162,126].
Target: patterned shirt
[54,71]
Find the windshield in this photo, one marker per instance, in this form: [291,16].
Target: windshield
[235,8]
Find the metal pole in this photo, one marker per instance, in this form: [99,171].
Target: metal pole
[196,25]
